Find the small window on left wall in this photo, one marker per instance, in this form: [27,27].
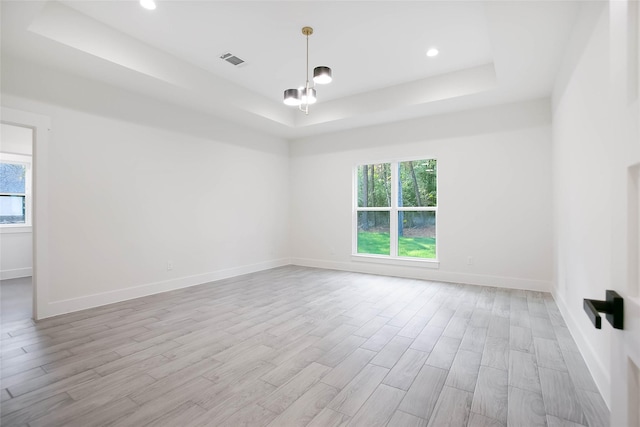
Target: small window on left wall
[15,190]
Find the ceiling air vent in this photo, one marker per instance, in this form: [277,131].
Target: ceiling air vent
[232,59]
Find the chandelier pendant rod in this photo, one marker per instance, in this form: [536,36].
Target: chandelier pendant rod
[306,75]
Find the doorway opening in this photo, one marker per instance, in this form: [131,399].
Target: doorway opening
[16,220]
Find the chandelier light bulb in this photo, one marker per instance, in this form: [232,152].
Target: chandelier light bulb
[292,97]
[322,75]
[308,96]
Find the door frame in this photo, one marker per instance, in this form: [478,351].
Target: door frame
[41,126]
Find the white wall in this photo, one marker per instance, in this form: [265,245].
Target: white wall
[494,194]
[15,139]
[15,252]
[15,242]
[123,199]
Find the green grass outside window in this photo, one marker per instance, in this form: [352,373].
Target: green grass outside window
[379,244]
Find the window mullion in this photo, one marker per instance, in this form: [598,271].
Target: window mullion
[418,208]
[393,220]
[374,209]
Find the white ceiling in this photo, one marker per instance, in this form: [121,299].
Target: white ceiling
[490,52]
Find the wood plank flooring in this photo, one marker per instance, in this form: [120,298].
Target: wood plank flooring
[16,299]
[297,346]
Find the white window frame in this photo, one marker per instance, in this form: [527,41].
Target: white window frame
[393,257]
[26,160]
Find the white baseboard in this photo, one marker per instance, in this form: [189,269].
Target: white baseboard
[599,372]
[16,273]
[428,274]
[56,308]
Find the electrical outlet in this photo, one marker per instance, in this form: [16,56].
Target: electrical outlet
[169,265]
[469,260]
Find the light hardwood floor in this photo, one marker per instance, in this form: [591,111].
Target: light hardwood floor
[297,346]
[16,299]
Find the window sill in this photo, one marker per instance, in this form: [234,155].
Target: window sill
[9,229]
[407,262]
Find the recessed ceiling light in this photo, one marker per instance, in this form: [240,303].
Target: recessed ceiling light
[148,4]
[432,52]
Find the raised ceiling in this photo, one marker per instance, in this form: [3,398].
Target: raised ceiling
[490,53]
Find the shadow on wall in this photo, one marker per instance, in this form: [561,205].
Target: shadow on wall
[446,126]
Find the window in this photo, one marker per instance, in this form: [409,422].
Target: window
[15,189]
[396,208]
